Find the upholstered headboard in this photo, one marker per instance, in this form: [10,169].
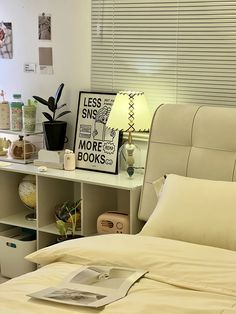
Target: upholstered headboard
[189,140]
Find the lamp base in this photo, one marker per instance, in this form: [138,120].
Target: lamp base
[130,171]
[129,158]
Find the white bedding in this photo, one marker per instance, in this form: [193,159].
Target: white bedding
[182,278]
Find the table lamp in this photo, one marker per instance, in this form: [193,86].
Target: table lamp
[129,113]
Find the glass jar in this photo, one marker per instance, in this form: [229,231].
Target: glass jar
[16,113]
[22,149]
[4,115]
[29,116]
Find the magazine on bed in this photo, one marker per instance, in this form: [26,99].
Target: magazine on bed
[92,286]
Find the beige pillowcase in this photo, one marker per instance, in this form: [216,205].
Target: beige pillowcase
[158,185]
[195,210]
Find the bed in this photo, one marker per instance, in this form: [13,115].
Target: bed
[188,242]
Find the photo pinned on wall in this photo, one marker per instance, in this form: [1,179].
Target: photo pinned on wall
[45,60]
[6,45]
[95,145]
[44,26]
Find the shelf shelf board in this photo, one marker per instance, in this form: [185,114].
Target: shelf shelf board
[119,181]
[19,161]
[19,220]
[37,132]
[51,228]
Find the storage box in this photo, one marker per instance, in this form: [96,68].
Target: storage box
[15,244]
[50,159]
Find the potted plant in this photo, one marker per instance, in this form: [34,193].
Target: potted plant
[68,219]
[54,130]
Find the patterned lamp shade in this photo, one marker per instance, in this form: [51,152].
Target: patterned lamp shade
[130,112]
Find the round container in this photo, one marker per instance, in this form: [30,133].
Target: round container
[22,149]
[4,115]
[16,113]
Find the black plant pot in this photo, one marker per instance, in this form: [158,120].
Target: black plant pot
[55,134]
[69,237]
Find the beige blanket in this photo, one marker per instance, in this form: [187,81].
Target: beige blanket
[183,278]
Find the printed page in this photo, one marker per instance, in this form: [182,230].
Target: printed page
[92,286]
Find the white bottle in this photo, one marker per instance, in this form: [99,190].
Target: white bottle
[69,160]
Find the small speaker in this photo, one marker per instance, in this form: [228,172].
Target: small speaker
[113,222]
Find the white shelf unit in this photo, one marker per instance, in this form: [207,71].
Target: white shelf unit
[99,192]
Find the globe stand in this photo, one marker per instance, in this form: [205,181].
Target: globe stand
[31,216]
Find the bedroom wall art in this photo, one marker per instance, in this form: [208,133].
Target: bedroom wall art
[95,146]
[44,27]
[6,47]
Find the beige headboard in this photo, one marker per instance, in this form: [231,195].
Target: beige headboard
[189,140]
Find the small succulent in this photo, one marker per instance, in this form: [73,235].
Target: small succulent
[52,104]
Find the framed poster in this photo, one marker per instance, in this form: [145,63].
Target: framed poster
[95,145]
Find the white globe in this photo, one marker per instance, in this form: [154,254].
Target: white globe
[27,191]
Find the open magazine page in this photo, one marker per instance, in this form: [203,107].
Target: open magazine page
[92,286]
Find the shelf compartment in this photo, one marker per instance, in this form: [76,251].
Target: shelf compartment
[99,199]
[19,220]
[52,192]
[10,200]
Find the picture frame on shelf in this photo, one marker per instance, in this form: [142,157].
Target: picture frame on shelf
[96,146]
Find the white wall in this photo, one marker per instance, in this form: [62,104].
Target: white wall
[71,43]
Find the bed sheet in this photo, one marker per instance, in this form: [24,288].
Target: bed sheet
[183,278]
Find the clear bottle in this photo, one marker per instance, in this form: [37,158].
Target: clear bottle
[16,106]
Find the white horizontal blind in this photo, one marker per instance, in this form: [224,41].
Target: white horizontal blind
[175,51]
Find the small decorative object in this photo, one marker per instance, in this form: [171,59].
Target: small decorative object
[68,219]
[16,113]
[22,149]
[4,113]
[27,194]
[113,222]
[42,169]
[69,160]
[95,146]
[51,159]
[4,145]
[129,113]
[29,116]
[54,130]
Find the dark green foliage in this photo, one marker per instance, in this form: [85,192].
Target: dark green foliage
[52,104]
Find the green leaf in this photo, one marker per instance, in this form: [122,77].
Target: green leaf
[61,226]
[51,104]
[58,93]
[62,113]
[41,100]
[61,106]
[48,116]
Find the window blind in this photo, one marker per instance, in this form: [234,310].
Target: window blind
[175,51]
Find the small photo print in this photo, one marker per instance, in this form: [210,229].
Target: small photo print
[6,49]
[73,296]
[44,26]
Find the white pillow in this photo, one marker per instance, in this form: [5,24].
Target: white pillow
[195,210]
[158,185]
